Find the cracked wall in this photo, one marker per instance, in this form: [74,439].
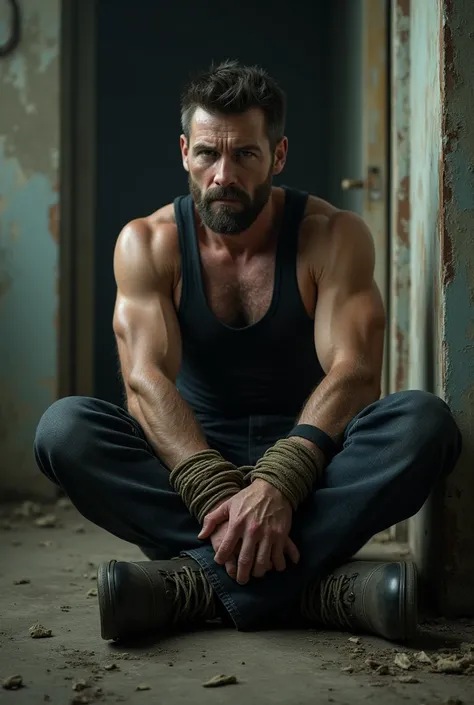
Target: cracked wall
[457,315]
[29,227]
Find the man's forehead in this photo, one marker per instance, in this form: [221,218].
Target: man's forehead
[248,125]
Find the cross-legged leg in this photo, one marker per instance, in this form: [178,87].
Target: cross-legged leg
[97,453]
[393,453]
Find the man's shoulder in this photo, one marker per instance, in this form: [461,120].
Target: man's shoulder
[153,238]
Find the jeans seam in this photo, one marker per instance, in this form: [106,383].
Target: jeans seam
[224,596]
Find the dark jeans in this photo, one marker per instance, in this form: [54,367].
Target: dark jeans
[393,453]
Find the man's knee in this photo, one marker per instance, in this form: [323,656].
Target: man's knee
[63,428]
[427,417]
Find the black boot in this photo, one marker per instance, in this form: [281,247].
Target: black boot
[145,597]
[368,596]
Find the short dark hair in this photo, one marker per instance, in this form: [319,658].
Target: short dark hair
[230,88]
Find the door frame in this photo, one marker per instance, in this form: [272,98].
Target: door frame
[77,197]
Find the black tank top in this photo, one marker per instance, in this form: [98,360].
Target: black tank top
[269,367]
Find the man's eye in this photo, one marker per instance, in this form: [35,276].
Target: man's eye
[246,153]
[207,153]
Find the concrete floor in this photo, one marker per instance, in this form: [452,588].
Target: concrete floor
[277,667]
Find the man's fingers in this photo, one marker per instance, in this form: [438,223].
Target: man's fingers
[246,559]
[213,519]
[291,551]
[231,567]
[227,548]
[263,558]
[278,557]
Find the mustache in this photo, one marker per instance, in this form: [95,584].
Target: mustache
[230,192]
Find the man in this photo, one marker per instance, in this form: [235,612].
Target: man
[255,456]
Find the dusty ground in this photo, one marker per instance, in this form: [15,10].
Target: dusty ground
[279,667]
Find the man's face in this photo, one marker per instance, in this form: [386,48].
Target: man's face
[230,168]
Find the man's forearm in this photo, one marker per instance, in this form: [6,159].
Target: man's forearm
[342,394]
[169,423]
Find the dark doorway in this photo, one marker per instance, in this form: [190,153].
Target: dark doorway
[146,52]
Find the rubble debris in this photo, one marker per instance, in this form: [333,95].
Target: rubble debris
[37,631]
[92,592]
[143,686]
[383,670]
[371,663]
[423,657]
[219,681]
[354,639]
[22,581]
[81,684]
[347,669]
[48,521]
[45,544]
[80,529]
[64,503]
[13,683]
[111,667]
[402,661]
[27,510]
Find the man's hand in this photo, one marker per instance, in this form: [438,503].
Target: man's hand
[260,518]
[216,540]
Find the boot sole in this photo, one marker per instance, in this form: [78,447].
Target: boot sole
[106,593]
[409,586]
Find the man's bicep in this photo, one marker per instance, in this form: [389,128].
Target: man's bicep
[349,316]
[145,321]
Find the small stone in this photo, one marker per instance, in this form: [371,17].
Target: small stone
[383,670]
[377,684]
[219,681]
[21,581]
[28,509]
[47,698]
[402,661]
[371,663]
[347,669]
[449,665]
[79,685]
[49,521]
[79,529]
[92,576]
[407,679]
[111,667]
[423,657]
[37,631]
[13,683]
[65,608]
[64,503]
[92,592]
[454,701]
[45,544]
[143,686]
[354,639]
[6,525]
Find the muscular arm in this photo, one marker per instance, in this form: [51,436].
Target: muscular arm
[348,330]
[149,341]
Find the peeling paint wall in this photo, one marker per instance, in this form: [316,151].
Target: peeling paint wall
[400,198]
[457,260]
[29,225]
[425,147]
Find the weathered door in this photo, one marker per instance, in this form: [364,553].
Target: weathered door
[372,182]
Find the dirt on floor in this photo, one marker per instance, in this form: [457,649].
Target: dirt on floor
[51,650]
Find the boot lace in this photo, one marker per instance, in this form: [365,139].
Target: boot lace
[193,598]
[329,601]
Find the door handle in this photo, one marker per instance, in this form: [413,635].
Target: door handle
[373,184]
[352,184]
